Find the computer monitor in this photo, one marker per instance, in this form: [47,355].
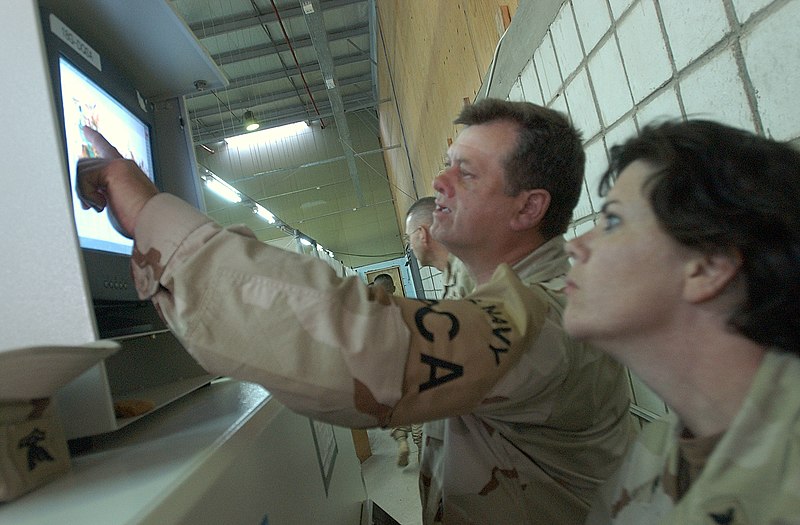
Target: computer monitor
[85,103]
[91,91]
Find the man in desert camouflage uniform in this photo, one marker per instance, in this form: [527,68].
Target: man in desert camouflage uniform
[536,420]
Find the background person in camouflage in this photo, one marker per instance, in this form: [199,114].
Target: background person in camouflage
[692,279]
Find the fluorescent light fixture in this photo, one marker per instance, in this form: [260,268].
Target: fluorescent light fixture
[267,136]
[264,213]
[224,190]
[250,122]
[304,241]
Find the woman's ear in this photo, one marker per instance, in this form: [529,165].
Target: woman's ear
[533,205]
[708,275]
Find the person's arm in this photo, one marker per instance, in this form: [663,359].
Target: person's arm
[326,347]
[131,187]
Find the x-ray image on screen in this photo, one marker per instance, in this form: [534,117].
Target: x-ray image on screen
[86,104]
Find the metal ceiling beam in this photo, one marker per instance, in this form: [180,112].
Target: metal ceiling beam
[220,26]
[260,50]
[319,36]
[277,97]
[280,74]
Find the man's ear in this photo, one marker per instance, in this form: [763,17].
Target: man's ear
[533,205]
[425,234]
[708,275]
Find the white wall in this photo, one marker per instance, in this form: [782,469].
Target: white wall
[45,299]
[615,65]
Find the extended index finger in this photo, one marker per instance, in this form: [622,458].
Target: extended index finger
[101,145]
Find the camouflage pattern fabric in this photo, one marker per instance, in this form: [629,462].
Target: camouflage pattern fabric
[457,284]
[542,420]
[751,477]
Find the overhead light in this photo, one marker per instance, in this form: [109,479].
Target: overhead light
[250,122]
[267,135]
[305,242]
[222,189]
[264,213]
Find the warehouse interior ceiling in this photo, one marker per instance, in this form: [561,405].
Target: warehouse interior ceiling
[289,61]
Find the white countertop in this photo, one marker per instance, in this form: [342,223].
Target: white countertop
[128,475]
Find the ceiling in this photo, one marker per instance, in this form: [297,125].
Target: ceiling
[291,61]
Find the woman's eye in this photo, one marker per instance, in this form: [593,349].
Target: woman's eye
[610,221]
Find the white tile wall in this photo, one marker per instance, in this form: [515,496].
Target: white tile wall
[772,57]
[618,7]
[610,84]
[560,104]
[431,282]
[565,41]
[621,132]
[680,57]
[581,105]
[584,207]
[715,91]
[593,21]
[693,27]
[745,8]
[530,84]
[583,228]
[516,93]
[547,68]
[438,284]
[596,165]
[644,50]
[662,106]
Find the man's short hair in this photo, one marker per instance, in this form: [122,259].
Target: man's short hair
[548,155]
[721,190]
[385,280]
[422,210]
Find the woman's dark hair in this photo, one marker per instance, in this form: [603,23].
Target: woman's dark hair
[718,189]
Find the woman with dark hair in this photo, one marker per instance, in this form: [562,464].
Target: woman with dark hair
[691,278]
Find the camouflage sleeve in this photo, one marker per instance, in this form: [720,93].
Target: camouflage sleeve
[326,347]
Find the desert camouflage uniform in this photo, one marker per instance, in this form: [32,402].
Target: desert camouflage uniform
[457,283]
[544,420]
[752,476]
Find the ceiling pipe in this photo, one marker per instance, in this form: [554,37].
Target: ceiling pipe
[296,62]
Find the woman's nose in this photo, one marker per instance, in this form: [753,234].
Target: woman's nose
[577,248]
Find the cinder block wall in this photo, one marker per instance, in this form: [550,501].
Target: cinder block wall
[615,65]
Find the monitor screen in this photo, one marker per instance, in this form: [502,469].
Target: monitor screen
[85,103]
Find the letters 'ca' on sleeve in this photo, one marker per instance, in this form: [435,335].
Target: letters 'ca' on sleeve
[460,349]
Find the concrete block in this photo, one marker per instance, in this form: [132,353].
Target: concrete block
[693,27]
[644,50]
[716,92]
[610,83]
